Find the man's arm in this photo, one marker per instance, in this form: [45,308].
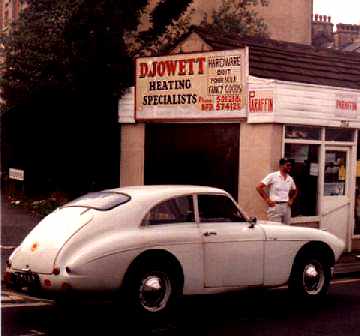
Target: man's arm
[292,195]
[261,190]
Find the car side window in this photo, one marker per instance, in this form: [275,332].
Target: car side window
[174,210]
[218,208]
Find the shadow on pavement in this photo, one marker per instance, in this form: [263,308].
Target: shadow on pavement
[248,312]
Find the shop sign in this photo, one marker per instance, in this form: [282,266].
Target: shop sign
[261,101]
[16,174]
[346,106]
[200,86]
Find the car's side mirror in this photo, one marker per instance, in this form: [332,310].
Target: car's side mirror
[252,221]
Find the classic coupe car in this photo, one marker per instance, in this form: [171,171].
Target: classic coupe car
[155,243]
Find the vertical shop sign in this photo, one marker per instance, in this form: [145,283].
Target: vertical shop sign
[206,85]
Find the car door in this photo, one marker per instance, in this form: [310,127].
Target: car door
[170,225]
[233,249]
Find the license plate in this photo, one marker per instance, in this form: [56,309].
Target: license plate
[26,279]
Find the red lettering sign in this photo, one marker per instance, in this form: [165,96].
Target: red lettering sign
[346,105]
[181,67]
[260,102]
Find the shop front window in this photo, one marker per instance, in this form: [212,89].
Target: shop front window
[305,172]
[339,134]
[303,132]
[335,173]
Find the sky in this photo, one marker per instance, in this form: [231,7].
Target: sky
[341,11]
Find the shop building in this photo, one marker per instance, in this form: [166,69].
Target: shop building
[281,99]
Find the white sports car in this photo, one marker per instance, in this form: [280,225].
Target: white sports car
[159,242]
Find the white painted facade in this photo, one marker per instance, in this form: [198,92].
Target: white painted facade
[304,104]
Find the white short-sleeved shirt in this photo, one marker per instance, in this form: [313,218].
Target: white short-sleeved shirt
[278,186]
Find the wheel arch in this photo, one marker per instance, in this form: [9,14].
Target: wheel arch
[162,257]
[316,248]
[325,255]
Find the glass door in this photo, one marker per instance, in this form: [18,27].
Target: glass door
[336,203]
[335,172]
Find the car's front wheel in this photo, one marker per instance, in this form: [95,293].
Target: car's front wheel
[151,290]
[310,277]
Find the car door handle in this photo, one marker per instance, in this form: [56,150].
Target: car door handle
[210,233]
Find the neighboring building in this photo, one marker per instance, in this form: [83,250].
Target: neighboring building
[324,36]
[296,101]
[346,34]
[322,31]
[355,46]
[288,20]
[9,12]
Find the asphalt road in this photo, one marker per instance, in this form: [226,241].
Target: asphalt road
[270,312]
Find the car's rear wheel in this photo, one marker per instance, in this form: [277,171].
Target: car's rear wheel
[310,277]
[152,289]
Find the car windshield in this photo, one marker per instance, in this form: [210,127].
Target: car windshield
[103,200]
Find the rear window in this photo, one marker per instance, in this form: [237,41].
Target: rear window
[102,200]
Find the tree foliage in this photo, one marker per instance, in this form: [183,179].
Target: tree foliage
[58,45]
[237,16]
[67,63]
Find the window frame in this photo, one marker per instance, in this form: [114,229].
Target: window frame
[197,212]
[144,220]
[323,144]
[306,219]
[72,203]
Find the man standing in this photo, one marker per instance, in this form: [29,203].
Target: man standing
[282,192]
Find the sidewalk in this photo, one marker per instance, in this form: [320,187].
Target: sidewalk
[348,263]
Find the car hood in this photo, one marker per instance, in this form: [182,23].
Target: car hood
[278,231]
[40,247]
[282,231]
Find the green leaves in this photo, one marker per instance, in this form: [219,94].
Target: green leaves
[239,17]
[67,63]
[59,45]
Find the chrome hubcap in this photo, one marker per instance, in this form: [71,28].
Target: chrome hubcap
[154,291]
[313,278]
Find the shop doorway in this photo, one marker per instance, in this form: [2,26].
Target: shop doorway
[336,201]
[197,154]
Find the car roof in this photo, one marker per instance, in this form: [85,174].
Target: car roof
[164,191]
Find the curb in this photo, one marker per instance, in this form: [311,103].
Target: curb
[347,268]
